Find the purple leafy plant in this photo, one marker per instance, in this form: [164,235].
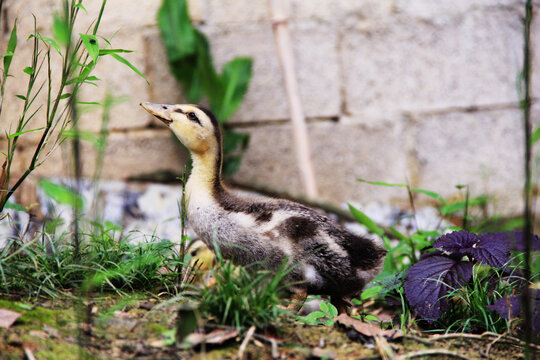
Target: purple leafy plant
[509,307]
[450,266]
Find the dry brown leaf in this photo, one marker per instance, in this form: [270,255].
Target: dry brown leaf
[366,328]
[8,317]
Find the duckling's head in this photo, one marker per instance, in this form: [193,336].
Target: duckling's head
[196,127]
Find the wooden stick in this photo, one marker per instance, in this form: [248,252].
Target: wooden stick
[245,343]
[283,43]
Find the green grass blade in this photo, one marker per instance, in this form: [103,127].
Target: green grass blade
[381,183]
[366,221]
[130,65]
[11,136]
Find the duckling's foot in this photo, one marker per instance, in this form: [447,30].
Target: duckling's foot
[341,304]
[297,301]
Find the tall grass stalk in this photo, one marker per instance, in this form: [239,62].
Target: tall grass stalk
[526,104]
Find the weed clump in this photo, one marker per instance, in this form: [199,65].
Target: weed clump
[245,296]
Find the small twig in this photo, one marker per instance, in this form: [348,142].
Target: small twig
[488,347]
[245,343]
[509,339]
[275,351]
[384,348]
[430,352]
[29,354]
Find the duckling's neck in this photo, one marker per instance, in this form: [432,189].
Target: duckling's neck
[205,178]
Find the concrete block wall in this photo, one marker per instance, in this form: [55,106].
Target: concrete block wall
[394,90]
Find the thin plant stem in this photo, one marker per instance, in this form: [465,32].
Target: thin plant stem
[526,107]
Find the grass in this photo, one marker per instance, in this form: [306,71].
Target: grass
[469,311]
[245,296]
[107,262]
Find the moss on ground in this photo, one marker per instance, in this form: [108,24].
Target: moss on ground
[53,330]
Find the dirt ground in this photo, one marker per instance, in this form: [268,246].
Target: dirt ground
[144,329]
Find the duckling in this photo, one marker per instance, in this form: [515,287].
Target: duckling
[325,258]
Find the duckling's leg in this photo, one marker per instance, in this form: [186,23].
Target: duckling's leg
[341,304]
[297,301]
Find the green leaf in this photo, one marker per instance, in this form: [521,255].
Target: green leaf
[324,307]
[60,29]
[329,322]
[50,42]
[61,194]
[14,206]
[372,292]
[11,136]
[29,70]
[455,207]
[84,74]
[312,317]
[430,194]
[65,96]
[235,80]
[10,50]
[370,317]
[381,183]
[92,46]
[80,6]
[128,64]
[22,97]
[535,136]
[332,310]
[366,221]
[103,52]
[89,136]
[177,32]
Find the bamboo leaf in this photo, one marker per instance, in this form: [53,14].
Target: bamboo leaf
[381,183]
[128,64]
[10,50]
[91,44]
[65,96]
[29,70]
[60,29]
[80,6]
[103,52]
[430,194]
[22,97]
[11,136]
[50,42]
[61,193]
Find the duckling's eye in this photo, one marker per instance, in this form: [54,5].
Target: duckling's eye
[192,116]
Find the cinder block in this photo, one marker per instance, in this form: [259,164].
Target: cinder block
[163,88]
[481,149]
[341,154]
[24,12]
[120,14]
[407,64]
[336,11]
[266,97]
[236,11]
[128,154]
[437,11]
